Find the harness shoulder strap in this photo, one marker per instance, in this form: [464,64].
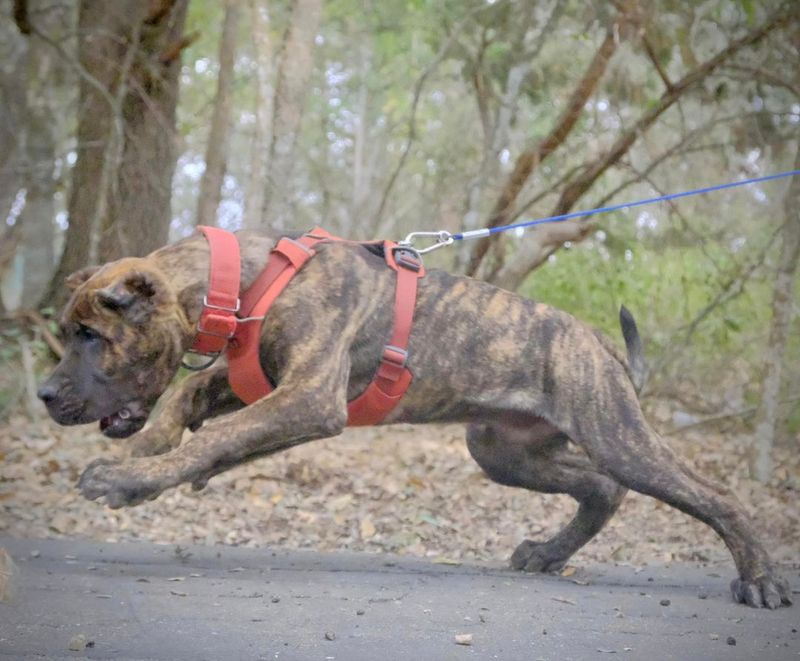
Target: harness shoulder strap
[393,377]
[245,375]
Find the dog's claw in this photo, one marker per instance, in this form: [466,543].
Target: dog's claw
[763,592]
[533,556]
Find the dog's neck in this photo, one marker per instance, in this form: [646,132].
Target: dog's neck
[186,266]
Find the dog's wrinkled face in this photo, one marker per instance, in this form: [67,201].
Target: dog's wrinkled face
[123,336]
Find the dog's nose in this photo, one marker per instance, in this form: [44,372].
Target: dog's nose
[47,392]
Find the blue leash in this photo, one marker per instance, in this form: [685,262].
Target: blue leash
[444,238]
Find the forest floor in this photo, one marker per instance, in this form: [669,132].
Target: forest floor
[407,490]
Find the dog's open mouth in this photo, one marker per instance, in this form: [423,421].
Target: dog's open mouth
[126,421]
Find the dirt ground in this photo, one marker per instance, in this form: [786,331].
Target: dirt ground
[412,491]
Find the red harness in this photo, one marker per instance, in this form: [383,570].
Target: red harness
[227,322]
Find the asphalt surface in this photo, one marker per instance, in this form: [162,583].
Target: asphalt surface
[144,601]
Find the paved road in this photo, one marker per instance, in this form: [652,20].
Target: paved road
[143,601]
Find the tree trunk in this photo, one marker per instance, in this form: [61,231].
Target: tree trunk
[38,216]
[265,69]
[766,418]
[218,138]
[294,73]
[12,122]
[138,216]
[361,174]
[128,60]
[12,97]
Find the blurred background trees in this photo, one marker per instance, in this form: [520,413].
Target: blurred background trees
[123,123]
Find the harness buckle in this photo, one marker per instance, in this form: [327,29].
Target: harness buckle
[394,356]
[218,325]
[211,306]
[408,258]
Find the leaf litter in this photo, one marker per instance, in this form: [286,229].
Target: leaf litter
[402,489]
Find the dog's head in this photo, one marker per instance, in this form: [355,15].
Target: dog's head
[123,333]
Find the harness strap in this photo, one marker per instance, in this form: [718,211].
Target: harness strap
[393,377]
[245,375]
[217,323]
[234,326]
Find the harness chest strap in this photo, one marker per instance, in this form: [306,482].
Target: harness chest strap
[245,375]
[218,322]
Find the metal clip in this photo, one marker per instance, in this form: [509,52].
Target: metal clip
[443,238]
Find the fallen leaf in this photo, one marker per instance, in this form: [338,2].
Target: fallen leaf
[366,528]
[569,570]
[340,502]
[7,572]
[463,639]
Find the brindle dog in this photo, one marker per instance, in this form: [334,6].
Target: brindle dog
[528,379]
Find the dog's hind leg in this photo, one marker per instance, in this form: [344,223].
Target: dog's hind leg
[615,435]
[518,458]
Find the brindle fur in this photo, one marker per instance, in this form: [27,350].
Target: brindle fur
[525,377]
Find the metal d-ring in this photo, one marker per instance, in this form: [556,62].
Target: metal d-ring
[200,368]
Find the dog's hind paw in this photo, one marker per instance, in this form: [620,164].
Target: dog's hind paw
[537,557]
[768,591]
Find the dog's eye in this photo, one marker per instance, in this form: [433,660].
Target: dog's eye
[87,334]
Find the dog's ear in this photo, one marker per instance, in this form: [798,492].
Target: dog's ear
[133,296]
[75,280]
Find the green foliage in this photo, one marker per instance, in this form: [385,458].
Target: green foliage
[666,290]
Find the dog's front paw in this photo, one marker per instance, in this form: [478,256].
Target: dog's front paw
[121,483]
[537,557]
[770,591]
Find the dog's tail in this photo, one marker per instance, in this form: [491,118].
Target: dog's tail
[637,367]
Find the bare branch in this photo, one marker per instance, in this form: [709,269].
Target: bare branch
[173,50]
[157,11]
[529,257]
[769,77]
[651,54]
[741,413]
[411,133]
[530,159]
[21,16]
[44,328]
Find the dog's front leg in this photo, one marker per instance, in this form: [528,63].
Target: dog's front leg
[198,397]
[301,409]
